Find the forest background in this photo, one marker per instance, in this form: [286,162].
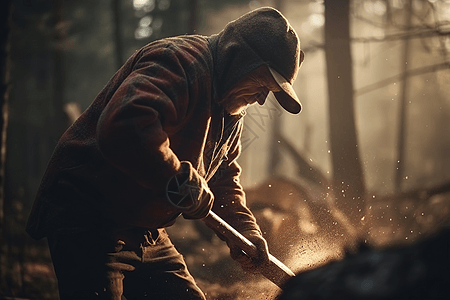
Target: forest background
[372,142]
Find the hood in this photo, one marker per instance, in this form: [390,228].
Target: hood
[260,37]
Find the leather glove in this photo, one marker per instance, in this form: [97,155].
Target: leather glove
[252,261]
[189,192]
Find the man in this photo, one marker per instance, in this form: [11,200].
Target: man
[172,114]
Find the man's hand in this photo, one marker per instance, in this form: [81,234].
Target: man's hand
[250,262]
[189,192]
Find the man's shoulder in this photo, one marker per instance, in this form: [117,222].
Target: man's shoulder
[182,43]
[191,52]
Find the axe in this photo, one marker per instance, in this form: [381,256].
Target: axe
[274,270]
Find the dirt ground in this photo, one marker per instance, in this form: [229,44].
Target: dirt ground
[28,273]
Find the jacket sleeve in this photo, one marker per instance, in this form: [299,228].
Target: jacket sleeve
[230,202]
[132,132]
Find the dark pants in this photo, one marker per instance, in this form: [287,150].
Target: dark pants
[139,265]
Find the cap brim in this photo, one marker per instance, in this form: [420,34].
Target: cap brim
[286,97]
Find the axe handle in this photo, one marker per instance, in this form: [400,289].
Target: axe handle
[274,270]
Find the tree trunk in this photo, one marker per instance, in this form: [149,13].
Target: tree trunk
[348,180]
[5,9]
[4,90]
[116,10]
[276,134]
[193,16]
[60,123]
[400,162]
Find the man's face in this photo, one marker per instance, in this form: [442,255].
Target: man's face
[254,87]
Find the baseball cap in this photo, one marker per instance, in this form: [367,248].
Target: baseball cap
[287,97]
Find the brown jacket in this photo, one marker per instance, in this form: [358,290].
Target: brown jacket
[110,167]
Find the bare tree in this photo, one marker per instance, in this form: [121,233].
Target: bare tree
[411,23]
[348,179]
